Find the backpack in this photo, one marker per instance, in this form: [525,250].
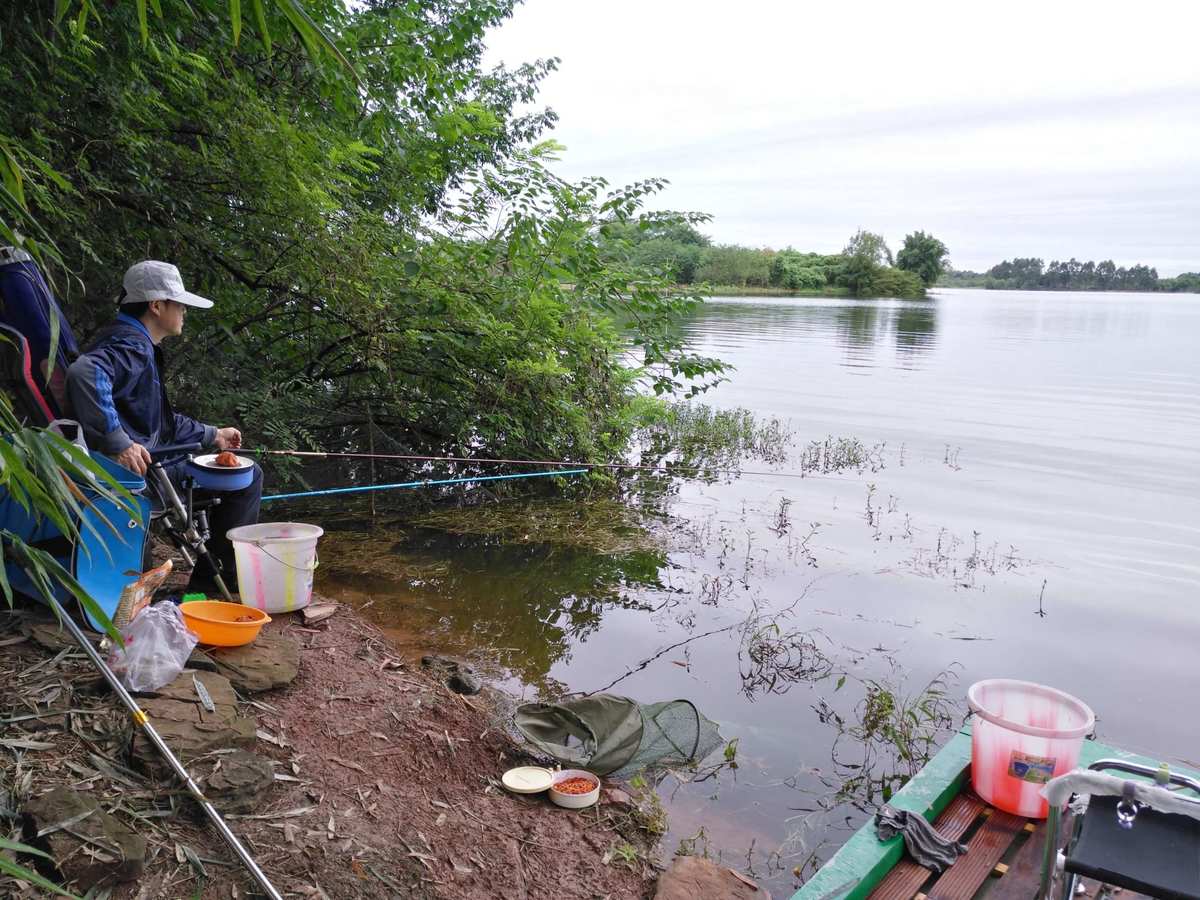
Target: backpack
[29,307]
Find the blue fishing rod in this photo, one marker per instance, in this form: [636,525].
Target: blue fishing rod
[575,468]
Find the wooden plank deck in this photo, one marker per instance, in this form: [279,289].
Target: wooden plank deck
[867,867]
[903,882]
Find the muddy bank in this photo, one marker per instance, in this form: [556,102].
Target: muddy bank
[362,776]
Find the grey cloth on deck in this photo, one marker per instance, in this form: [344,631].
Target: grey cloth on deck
[926,847]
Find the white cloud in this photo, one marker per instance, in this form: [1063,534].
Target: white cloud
[1049,129]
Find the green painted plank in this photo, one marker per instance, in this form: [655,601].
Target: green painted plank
[864,860]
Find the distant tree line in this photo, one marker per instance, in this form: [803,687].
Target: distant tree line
[1032,274]
[864,268]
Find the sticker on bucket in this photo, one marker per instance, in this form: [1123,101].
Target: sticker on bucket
[1037,769]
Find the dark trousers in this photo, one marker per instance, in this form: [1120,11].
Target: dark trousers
[236,508]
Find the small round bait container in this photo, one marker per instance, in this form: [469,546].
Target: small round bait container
[573,800]
[527,779]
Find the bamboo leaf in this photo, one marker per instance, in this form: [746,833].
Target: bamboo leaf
[43,566]
[235,19]
[60,10]
[19,871]
[260,16]
[81,19]
[156,5]
[143,26]
[313,36]
[13,176]
[18,847]
[8,594]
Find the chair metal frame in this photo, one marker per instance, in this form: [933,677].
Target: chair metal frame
[1127,811]
[184,522]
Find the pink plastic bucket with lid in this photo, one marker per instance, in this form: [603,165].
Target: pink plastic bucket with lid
[1024,734]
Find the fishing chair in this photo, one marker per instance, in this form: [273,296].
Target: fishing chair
[1141,836]
[103,568]
[183,520]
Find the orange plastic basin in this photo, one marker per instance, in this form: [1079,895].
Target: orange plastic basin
[216,622]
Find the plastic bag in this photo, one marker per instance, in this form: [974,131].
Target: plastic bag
[157,645]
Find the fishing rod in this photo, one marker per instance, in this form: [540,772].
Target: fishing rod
[321,454]
[417,484]
[142,720]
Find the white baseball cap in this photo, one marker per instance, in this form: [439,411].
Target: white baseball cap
[153,280]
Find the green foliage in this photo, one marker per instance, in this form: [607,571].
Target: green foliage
[862,259]
[392,257]
[1032,274]
[730,264]
[16,870]
[923,255]
[802,271]
[1188,282]
[896,283]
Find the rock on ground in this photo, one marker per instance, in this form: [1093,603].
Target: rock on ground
[460,677]
[693,877]
[189,729]
[270,661]
[90,846]
[239,781]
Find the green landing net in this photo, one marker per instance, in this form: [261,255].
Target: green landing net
[612,735]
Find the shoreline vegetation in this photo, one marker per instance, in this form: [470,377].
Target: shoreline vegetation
[1032,274]
[687,259]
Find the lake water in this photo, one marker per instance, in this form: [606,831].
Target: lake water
[1027,505]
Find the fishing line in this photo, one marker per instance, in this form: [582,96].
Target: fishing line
[584,466]
[418,484]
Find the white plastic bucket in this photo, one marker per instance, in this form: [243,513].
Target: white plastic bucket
[1024,734]
[275,564]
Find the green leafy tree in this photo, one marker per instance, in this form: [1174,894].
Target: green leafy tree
[924,255]
[891,282]
[864,256]
[729,264]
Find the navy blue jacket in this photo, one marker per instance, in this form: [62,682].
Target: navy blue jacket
[116,394]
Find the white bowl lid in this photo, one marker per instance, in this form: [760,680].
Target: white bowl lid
[527,779]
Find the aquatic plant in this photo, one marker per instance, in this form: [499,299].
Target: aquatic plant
[695,435]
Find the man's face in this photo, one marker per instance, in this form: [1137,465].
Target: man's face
[171,316]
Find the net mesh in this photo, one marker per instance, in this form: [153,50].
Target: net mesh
[673,733]
[615,735]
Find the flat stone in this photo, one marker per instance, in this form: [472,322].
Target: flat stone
[91,847]
[616,797]
[460,677]
[239,781]
[270,661]
[188,728]
[690,877]
[51,635]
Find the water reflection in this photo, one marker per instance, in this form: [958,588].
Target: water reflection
[542,598]
[915,329]
[858,327]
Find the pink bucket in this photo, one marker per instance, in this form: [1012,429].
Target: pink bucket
[1024,735]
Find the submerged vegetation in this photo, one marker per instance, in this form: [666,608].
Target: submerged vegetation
[695,435]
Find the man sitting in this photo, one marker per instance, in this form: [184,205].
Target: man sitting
[116,392]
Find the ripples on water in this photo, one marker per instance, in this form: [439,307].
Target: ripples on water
[1038,450]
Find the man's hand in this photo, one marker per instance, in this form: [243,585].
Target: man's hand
[135,458]
[228,439]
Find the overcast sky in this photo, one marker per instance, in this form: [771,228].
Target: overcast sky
[1049,129]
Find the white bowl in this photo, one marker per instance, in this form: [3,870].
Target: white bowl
[574,801]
